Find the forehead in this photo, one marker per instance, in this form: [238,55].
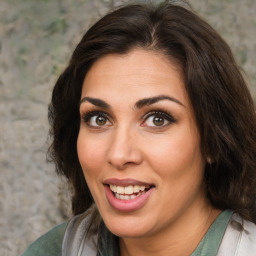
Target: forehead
[139,73]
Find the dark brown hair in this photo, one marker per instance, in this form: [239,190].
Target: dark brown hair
[221,101]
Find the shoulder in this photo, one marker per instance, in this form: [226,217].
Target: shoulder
[49,244]
[240,237]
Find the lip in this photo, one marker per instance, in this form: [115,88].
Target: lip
[126,182]
[127,205]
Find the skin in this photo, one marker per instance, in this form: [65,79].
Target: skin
[129,144]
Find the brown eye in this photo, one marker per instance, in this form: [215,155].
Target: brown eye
[101,120]
[96,119]
[158,121]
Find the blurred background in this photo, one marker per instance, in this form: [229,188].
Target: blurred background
[37,38]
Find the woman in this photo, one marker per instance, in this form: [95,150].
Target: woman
[154,127]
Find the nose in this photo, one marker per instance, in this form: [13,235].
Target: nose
[124,150]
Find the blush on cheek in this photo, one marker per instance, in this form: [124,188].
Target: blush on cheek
[175,160]
[87,148]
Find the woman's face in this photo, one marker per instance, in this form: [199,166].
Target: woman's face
[138,144]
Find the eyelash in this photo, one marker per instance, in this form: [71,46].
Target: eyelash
[159,113]
[88,115]
[166,116]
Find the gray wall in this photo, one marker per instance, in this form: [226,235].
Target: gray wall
[36,40]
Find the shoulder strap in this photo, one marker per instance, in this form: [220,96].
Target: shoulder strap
[239,238]
[77,241]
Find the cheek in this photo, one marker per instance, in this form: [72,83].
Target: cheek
[180,169]
[90,153]
[177,155]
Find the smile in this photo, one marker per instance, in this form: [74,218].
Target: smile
[128,192]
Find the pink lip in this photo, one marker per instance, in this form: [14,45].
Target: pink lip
[126,182]
[127,205]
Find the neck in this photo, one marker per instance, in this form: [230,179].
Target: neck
[179,239]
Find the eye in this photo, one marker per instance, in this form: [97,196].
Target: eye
[96,119]
[158,119]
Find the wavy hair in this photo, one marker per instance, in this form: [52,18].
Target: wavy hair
[222,103]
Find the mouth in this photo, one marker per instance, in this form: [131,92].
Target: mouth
[128,192]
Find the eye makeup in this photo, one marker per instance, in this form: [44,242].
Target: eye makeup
[157,119]
[162,114]
[100,119]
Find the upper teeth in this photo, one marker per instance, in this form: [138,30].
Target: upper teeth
[129,190]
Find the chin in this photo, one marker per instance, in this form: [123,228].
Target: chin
[128,226]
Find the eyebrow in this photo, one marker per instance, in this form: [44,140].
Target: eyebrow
[149,101]
[139,104]
[96,102]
